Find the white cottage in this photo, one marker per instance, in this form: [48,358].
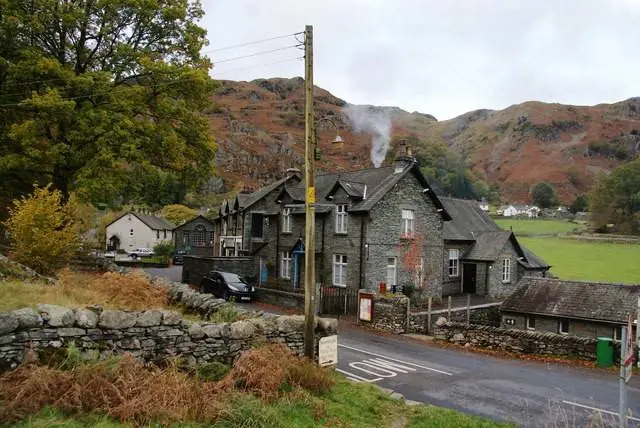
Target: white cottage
[134,230]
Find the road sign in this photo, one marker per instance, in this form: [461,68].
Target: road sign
[328,351]
[629,352]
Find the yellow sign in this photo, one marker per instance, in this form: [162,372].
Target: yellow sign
[311,195]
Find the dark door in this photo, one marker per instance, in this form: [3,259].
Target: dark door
[468,278]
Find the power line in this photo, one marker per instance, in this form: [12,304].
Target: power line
[255,54]
[254,42]
[258,66]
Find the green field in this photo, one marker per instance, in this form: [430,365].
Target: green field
[593,261]
[524,227]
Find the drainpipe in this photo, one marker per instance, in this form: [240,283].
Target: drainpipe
[363,231]
[486,279]
[276,265]
[243,240]
[322,261]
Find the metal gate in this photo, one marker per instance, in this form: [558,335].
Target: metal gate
[338,301]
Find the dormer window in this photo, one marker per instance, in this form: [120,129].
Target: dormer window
[341,219]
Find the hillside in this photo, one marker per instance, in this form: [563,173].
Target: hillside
[259,127]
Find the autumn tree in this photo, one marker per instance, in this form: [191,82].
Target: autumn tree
[43,230]
[95,93]
[178,214]
[615,199]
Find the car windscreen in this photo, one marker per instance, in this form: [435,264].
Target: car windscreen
[230,277]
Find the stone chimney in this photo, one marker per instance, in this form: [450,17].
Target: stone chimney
[404,159]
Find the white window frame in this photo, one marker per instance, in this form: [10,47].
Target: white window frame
[340,270]
[285,265]
[341,219]
[528,322]
[286,220]
[130,232]
[560,330]
[454,262]
[506,270]
[419,273]
[408,222]
[392,271]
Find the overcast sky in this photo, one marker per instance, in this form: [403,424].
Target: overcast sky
[442,57]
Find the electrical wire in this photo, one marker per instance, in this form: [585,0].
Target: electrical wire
[254,42]
[258,66]
[255,54]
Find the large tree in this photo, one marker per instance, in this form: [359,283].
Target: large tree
[94,93]
[616,199]
[543,195]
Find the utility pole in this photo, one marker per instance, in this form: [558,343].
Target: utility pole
[310,200]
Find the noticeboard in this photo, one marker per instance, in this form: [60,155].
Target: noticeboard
[365,307]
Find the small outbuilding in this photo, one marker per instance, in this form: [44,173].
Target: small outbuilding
[195,237]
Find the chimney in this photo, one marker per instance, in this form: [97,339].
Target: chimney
[405,159]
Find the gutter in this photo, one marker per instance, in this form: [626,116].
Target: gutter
[571,317]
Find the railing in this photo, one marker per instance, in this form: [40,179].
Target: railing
[338,301]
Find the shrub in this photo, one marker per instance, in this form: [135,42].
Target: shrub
[43,232]
[163,250]
[227,312]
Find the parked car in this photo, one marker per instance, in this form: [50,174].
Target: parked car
[141,252]
[110,255]
[178,257]
[226,285]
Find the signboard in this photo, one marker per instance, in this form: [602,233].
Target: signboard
[365,307]
[328,351]
[629,353]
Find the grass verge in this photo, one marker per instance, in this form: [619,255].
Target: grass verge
[267,387]
[589,261]
[530,227]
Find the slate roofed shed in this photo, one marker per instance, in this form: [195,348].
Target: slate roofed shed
[591,301]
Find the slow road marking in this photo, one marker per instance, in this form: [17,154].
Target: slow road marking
[381,367]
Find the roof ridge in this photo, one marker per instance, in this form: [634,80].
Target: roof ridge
[355,170]
[585,282]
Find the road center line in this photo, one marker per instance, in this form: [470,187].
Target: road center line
[608,412]
[395,359]
[346,373]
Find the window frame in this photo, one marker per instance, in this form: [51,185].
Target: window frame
[393,266]
[454,269]
[340,265]
[506,270]
[130,232]
[285,264]
[286,220]
[341,219]
[561,323]
[408,217]
[528,324]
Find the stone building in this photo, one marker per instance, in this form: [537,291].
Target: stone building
[575,308]
[374,226]
[195,237]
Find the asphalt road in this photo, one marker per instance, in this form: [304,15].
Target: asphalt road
[530,394]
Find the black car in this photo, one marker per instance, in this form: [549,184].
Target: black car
[226,285]
[178,257]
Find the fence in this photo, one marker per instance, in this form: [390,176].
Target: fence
[338,301]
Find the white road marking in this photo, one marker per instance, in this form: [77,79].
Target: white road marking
[608,412]
[396,360]
[357,365]
[356,377]
[390,365]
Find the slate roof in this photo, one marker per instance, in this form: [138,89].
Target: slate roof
[467,220]
[574,299]
[488,245]
[533,261]
[153,222]
[194,219]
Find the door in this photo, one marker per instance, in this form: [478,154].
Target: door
[468,278]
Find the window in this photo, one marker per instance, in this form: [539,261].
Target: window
[506,270]
[165,234]
[257,225]
[224,227]
[341,219]
[285,265]
[419,270]
[531,323]
[340,270]
[617,333]
[157,234]
[392,271]
[563,326]
[131,232]
[454,262]
[286,220]
[408,222]
[198,236]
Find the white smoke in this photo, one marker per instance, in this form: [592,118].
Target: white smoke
[372,120]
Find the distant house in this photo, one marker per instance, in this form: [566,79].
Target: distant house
[514,210]
[135,230]
[196,236]
[570,307]
[484,205]
[533,212]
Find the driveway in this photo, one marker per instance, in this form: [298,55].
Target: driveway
[531,394]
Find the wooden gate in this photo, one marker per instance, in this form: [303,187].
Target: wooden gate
[338,301]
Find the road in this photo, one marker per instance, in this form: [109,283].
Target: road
[530,394]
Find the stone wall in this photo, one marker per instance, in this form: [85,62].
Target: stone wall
[519,341]
[390,313]
[151,335]
[280,298]
[195,268]
[482,315]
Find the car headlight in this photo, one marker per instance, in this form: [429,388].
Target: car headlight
[233,287]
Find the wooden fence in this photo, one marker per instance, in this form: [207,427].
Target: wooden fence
[338,301]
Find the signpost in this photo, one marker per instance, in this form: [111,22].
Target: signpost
[627,358]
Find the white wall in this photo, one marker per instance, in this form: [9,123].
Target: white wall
[142,236]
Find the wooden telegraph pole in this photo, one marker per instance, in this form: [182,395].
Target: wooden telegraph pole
[310,200]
